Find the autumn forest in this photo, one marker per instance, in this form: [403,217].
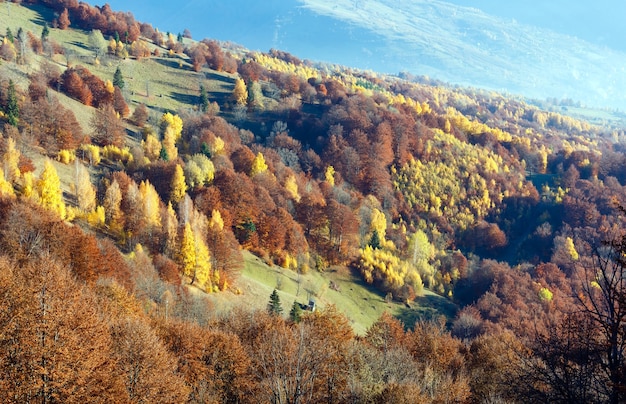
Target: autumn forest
[143,172]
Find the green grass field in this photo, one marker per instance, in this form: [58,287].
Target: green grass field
[361,303]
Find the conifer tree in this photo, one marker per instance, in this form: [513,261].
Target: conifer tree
[375,240]
[45,33]
[12,111]
[274,307]
[118,79]
[204,99]
[295,314]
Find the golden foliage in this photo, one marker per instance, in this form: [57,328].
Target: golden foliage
[49,189]
[240,92]
[258,165]
[66,156]
[329,175]
[179,187]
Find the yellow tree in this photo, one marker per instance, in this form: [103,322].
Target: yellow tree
[150,204]
[28,188]
[240,92]
[174,123]
[179,187]
[188,252]
[258,165]
[49,188]
[6,189]
[170,226]
[291,186]
[202,269]
[216,221]
[151,147]
[169,144]
[329,175]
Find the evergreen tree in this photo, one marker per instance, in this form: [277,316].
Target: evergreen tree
[10,36]
[45,33]
[118,79]
[295,314]
[375,240]
[12,110]
[274,307]
[204,99]
[163,155]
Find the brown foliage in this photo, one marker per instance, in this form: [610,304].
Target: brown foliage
[107,127]
[64,20]
[119,103]
[140,115]
[146,367]
[60,349]
[214,364]
[51,125]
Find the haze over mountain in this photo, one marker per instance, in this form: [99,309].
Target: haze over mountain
[557,49]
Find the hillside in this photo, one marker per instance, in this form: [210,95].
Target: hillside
[155,190]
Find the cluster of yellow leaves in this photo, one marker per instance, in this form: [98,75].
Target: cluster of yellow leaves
[240,92]
[149,204]
[385,267]
[258,165]
[291,186]
[179,186]
[277,65]
[151,147]
[199,171]
[49,189]
[195,260]
[171,129]
[216,220]
[545,295]
[115,153]
[458,181]
[117,48]
[66,156]
[91,153]
[10,162]
[218,146]
[6,188]
[329,175]
[474,127]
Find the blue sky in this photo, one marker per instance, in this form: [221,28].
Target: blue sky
[598,21]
